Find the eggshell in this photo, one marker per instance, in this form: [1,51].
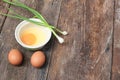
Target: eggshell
[38,59]
[15,57]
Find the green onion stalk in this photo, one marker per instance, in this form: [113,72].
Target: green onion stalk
[36,14]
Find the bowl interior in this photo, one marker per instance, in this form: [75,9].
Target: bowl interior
[22,26]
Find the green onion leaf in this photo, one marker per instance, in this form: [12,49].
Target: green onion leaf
[36,14]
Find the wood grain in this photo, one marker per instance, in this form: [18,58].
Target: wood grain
[3,9]
[91,49]
[26,71]
[87,51]
[116,49]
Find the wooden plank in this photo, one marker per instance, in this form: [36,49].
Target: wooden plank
[26,71]
[116,49]
[3,9]
[87,51]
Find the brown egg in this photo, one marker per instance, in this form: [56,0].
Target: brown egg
[15,57]
[38,59]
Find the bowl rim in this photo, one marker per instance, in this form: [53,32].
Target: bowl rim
[17,36]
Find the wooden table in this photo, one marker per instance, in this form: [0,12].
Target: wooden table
[91,50]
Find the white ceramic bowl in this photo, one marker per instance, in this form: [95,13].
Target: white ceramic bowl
[19,28]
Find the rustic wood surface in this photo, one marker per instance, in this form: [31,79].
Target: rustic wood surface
[116,43]
[91,49]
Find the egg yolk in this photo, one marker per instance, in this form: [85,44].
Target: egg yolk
[28,38]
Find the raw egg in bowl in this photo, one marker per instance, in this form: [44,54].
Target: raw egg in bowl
[32,36]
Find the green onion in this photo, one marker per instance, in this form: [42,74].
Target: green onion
[36,14]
